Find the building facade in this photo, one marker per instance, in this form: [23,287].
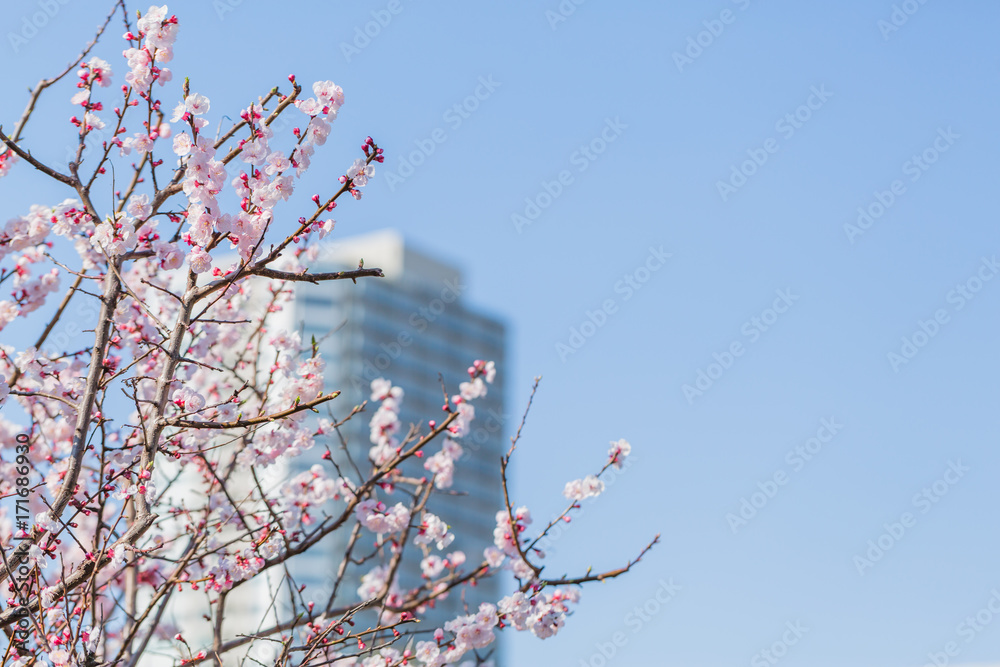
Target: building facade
[410,327]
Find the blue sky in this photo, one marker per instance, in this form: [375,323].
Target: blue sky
[807,111]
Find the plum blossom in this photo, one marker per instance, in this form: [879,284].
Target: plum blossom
[384,423]
[140,142]
[427,652]
[115,237]
[317,131]
[432,566]
[36,557]
[91,637]
[188,399]
[146,60]
[543,613]
[254,152]
[494,557]
[359,172]
[470,391]
[442,466]
[329,95]
[45,521]
[49,596]
[503,536]
[92,121]
[277,163]
[619,450]
[182,144]
[96,71]
[310,106]
[326,227]
[7,160]
[196,104]
[433,530]
[169,254]
[199,260]
[159,30]
[583,488]
[59,657]
[373,582]
[117,555]
[329,98]
[474,631]
[374,516]
[487,369]
[139,207]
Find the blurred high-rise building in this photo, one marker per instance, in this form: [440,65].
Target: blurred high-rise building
[411,327]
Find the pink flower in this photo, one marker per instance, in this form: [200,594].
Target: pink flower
[470,391]
[329,95]
[310,107]
[92,121]
[196,104]
[169,254]
[141,142]
[432,566]
[277,163]
[199,260]
[374,516]
[433,530]
[619,450]
[8,313]
[583,488]
[182,144]
[360,172]
[427,652]
[96,71]
[139,207]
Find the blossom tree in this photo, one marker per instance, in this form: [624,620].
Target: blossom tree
[182,281]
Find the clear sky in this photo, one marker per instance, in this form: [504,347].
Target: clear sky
[680,183]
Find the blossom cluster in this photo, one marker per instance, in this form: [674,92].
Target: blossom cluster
[172,433]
